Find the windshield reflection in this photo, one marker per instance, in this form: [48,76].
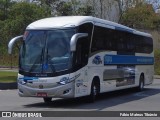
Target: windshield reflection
[46,51]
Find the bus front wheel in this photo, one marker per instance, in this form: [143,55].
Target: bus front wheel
[94,92]
[47,99]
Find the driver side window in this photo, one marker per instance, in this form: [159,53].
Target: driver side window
[82,52]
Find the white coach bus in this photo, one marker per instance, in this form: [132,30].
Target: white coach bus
[76,56]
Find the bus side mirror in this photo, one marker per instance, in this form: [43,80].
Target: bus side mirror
[75,38]
[12,42]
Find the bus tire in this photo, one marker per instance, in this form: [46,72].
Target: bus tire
[141,83]
[94,92]
[47,99]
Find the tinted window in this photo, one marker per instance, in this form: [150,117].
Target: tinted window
[121,41]
[86,28]
[143,44]
[103,39]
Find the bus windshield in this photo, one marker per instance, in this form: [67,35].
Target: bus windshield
[46,51]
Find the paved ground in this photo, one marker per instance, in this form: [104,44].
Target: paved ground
[148,100]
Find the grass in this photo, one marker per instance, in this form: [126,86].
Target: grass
[7,76]
[157,62]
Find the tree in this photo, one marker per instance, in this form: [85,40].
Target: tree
[18,17]
[141,16]
[73,8]
[22,14]
[4,8]
[106,9]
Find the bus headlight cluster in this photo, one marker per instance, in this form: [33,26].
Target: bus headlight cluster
[22,82]
[65,80]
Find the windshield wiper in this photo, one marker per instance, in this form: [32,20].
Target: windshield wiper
[49,61]
[40,57]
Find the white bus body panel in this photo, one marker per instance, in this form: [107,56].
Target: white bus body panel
[51,86]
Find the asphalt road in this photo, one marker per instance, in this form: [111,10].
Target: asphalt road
[125,100]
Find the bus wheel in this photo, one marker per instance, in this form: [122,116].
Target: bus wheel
[94,92]
[47,99]
[141,83]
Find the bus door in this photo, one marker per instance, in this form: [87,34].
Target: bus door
[82,53]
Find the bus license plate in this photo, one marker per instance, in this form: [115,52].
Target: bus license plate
[41,94]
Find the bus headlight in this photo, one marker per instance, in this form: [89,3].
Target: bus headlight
[65,80]
[22,82]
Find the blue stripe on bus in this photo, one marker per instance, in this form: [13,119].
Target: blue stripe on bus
[28,78]
[127,59]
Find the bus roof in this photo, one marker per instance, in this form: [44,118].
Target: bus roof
[72,21]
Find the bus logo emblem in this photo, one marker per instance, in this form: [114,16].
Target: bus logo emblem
[40,86]
[97,60]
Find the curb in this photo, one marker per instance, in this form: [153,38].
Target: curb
[156,76]
[9,70]
[5,86]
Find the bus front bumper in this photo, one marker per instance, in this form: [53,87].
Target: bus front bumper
[61,91]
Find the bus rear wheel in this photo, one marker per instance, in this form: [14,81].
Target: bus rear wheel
[47,99]
[141,83]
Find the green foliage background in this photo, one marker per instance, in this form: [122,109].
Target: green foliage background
[157,62]
[142,16]
[12,24]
